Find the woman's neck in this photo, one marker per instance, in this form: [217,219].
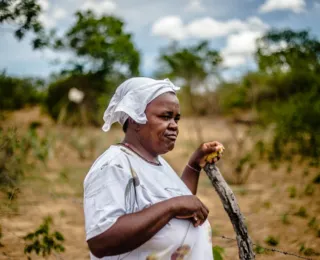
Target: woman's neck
[135,144]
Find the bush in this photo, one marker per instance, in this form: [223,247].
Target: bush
[97,93]
[12,159]
[272,241]
[18,151]
[15,93]
[42,241]
[298,123]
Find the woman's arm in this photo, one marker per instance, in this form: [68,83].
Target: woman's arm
[190,177]
[191,172]
[132,230]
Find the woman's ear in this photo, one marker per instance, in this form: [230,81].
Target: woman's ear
[134,125]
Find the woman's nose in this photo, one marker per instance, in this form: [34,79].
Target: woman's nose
[173,124]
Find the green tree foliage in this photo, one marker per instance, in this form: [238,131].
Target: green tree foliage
[192,66]
[15,93]
[285,90]
[251,91]
[292,61]
[102,45]
[24,16]
[105,56]
[288,50]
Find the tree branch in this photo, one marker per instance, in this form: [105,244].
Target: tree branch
[232,208]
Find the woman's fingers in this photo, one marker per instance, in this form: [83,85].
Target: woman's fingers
[185,217]
[201,215]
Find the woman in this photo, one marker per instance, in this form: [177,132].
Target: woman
[136,206]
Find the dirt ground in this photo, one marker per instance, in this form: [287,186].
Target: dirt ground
[264,199]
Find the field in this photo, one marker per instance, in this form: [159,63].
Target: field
[281,203]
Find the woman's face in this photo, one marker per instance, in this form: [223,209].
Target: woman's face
[159,134]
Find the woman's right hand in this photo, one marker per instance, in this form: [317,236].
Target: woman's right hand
[189,207]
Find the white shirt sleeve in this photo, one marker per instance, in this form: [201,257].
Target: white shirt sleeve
[104,198]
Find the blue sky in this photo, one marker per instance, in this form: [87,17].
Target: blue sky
[231,26]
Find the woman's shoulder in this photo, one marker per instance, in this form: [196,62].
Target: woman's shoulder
[112,156]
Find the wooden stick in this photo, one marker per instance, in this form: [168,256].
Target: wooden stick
[232,208]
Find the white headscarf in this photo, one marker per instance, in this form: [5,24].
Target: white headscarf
[131,99]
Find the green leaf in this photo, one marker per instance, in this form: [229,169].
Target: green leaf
[217,252]
[58,236]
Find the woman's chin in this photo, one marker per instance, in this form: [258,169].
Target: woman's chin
[167,148]
[170,146]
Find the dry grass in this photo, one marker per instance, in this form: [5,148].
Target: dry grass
[264,199]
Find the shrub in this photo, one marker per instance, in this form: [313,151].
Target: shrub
[16,152]
[317,179]
[302,212]
[272,241]
[259,249]
[42,241]
[309,190]
[292,191]
[12,159]
[15,93]
[97,93]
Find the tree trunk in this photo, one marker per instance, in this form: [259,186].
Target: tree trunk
[232,208]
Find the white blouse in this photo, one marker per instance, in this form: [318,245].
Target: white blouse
[120,182]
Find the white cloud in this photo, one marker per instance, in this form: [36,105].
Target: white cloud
[172,27]
[231,61]
[240,47]
[241,34]
[241,43]
[100,8]
[59,13]
[47,21]
[44,4]
[296,6]
[195,6]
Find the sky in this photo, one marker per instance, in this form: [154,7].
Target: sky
[231,26]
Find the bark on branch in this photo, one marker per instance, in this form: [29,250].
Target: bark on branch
[232,208]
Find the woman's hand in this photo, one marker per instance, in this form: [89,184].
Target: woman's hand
[189,207]
[197,159]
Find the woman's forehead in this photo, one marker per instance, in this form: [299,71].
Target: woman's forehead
[167,100]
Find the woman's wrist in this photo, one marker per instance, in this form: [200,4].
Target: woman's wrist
[172,206]
[194,166]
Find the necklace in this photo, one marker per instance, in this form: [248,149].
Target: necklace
[131,148]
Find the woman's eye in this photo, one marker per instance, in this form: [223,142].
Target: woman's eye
[166,117]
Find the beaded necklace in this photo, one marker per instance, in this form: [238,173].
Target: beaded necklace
[131,148]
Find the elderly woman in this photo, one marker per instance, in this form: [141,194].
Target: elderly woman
[136,206]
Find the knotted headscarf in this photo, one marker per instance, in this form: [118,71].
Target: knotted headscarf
[131,99]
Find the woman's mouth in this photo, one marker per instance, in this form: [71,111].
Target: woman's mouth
[172,137]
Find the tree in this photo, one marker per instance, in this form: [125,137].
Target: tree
[24,14]
[292,62]
[102,46]
[287,50]
[192,66]
[104,56]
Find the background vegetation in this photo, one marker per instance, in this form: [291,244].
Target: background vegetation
[269,120]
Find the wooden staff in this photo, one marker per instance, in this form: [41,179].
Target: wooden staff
[232,208]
